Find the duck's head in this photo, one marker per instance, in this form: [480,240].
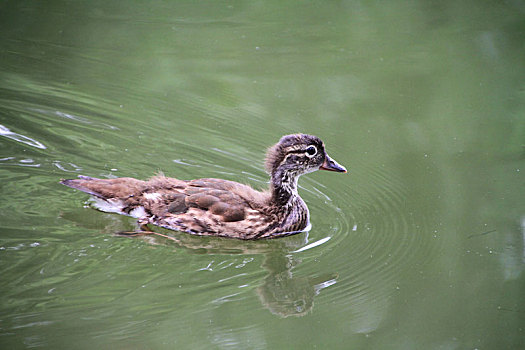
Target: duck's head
[299,154]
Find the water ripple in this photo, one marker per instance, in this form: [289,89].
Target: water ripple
[375,233]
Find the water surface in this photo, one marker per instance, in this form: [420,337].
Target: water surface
[420,245]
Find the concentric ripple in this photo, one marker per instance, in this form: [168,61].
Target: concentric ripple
[367,228]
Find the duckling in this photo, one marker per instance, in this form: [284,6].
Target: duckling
[216,207]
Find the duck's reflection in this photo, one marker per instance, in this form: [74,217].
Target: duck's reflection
[282,291]
[285,294]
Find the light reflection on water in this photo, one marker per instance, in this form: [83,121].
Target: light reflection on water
[20,138]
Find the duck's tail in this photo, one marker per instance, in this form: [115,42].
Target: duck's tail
[110,195]
[105,188]
[82,184]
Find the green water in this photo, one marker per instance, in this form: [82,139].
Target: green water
[420,246]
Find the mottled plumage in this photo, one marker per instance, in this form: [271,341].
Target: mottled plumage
[218,207]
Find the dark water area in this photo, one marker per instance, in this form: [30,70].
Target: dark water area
[420,246]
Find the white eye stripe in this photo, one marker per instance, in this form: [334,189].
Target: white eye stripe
[311,151]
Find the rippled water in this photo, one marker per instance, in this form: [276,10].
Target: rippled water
[420,245]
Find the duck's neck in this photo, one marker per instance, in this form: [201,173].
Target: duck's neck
[284,187]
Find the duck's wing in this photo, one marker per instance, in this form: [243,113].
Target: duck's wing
[206,206]
[203,206]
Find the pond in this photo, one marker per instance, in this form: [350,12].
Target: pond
[421,245]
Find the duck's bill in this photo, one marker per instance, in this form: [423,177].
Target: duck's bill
[331,165]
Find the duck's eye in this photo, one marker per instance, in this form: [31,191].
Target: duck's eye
[311,151]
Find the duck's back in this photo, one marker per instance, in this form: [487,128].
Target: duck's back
[203,206]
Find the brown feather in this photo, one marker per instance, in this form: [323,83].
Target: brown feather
[215,206]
